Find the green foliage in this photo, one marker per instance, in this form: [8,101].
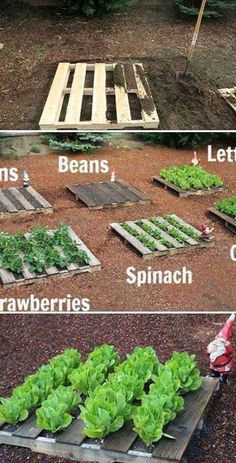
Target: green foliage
[94,371]
[37,387]
[184,228]
[91,7]
[40,250]
[35,149]
[140,236]
[227,206]
[160,406]
[187,140]
[109,406]
[54,415]
[82,142]
[188,177]
[214,8]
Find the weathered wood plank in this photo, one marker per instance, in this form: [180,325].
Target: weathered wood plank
[229,222]
[149,111]
[72,435]
[21,199]
[184,193]
[122,103]
[229,94]
[28,429]
[7,203]
[131,239]
[189,240]
[164,235]
[121,440]
[159,246]
[134,190]
[99,107]
[38,197]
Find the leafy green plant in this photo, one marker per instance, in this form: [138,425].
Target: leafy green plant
[109,405]
[184,228]
[163,401]
[227,206]
[140,236]
[214,8]
[37,387]
[154,233]
[40,250]
[94,371]
[191,177]
[54,414]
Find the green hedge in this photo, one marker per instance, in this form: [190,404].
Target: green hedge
[90,7]
[214,8]
[187,140]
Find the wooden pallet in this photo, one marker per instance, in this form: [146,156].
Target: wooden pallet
[99,96]
[124,445]
[229,94]
[161,250]
[229,222]
[9,279]
[183,193]
[22,201]
[108,194]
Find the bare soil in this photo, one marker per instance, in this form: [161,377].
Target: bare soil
[37,39]
[213,270]
[29,341]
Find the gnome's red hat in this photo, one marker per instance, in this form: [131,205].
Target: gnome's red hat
[227,330]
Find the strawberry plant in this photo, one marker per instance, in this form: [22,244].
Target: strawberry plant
[43,249]
[191,177]
[227,206]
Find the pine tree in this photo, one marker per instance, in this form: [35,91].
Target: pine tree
[90,7]
[214,8]
[83,142]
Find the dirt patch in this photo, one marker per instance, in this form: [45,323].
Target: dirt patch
[31,341]
[108,289]
[37,39]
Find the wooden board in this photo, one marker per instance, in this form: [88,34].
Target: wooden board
[27,277]
[123,445]
[107,194]
[183,193]
[22,201]
[161,250]
[229,222]
[229,94]
[67,108]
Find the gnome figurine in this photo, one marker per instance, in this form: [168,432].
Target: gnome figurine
[113,176]
[195,161]
[206,232]
[221,353]
[26,179]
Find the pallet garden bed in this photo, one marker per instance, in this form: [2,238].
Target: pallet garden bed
[188,181]
[225,212]
[108,194]
[23,201]
[160,236]
[123,445]
[24,274]
[229,94]
[99,96]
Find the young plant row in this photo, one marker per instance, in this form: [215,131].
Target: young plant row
[55,413]
[164,400]
[36,388]
[191,177]
[43,249]
[227,206]
[170,225]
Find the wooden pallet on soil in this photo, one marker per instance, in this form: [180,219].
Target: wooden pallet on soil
[229,94]
[23,201]
[124,445]
[108,194]
[99,96]
[27,277]
[161,250]
[229,222]
[183,193]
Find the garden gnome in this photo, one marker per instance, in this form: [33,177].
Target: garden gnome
[113,176]
[195,161]
[25,179]
[221,353]
[206,232]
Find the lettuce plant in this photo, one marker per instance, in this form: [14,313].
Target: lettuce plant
[54,414]
[191,177]
[227,206]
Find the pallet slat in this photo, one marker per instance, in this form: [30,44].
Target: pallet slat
[7,203]
[22,201]
[122,103]
[99,108]
[28,429]
[229,222]
[159,246]
[121,440]
[184,193]
[38,197]
[76,95]
[229,94]
[52,108]
[72,435]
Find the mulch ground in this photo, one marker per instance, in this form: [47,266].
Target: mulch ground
[37,39]
[29,341]
[213,270]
